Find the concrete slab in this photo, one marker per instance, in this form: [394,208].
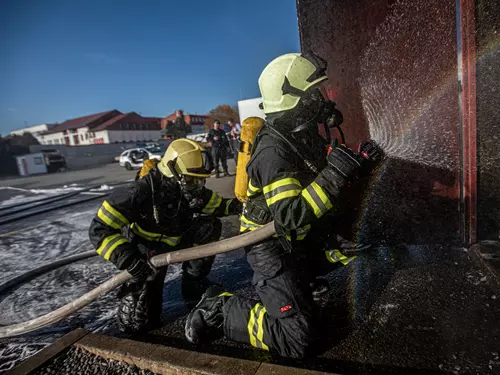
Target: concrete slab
[165,360]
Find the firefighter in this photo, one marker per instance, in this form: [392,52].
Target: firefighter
[166,209]
[294,182]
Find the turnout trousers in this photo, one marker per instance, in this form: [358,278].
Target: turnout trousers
[285,319]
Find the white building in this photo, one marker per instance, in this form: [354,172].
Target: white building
[35,130]
[101,128]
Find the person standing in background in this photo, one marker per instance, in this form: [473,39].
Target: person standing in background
[218,139]
[235,138]
[180,129]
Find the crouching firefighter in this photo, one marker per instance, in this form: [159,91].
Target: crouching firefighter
[166,209]
[293,181]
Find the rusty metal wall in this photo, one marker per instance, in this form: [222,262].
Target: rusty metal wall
[393,70]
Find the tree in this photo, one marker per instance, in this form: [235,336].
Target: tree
[222,112]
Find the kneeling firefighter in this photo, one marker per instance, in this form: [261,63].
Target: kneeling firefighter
[166,209]
[293,181]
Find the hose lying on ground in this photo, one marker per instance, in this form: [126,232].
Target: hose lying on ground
[161,260]
[44,269]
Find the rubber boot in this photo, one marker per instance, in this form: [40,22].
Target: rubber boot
[226,173]
[205,321]
[217,174]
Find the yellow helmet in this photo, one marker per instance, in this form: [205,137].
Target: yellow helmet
[188,158]
[285,79]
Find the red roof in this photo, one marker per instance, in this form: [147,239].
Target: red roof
[78,122]
[112,121]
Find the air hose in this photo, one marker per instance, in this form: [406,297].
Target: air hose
[161,260]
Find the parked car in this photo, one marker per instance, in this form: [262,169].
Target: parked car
[135,157]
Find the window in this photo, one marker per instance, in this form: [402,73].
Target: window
[61,141]
[86,135]
[135,126]
[147,126]
[121,126]
[38,160]
[81,137]
[128,126]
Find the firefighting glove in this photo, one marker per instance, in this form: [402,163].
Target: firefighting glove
[141,269]
[345,162]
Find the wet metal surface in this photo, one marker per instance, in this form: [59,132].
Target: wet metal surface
[393,72]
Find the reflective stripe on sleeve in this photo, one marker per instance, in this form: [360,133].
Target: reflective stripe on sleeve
[252,190]
[214,202]
[282,189]
[150,236]
[109,244]
[111,216]
[317,199]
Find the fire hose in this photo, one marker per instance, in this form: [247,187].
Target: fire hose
[161,260]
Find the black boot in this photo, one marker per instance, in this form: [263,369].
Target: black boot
[226,173]
[206,319]
[217,174]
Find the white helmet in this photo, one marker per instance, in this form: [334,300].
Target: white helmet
[285,80]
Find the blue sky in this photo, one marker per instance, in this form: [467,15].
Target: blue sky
[63,59]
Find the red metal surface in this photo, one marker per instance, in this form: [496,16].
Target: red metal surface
[469,139]
[393,73]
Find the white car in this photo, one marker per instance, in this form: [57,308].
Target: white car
[135,157]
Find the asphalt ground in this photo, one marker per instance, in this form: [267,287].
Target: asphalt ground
[407,309]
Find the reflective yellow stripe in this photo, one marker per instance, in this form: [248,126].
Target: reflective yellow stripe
[317,199]
[256,189]
[115,213]
[322,195]
[113,247]
[214,202]
[281,196]
[106,241]
[260,332]
[107,220]
[251,323]
[150,236]
[280,183]
[226,294]
[312,203]
[228,203]
[256,326]
[252,190]
[109,244]
[247,224]
[335,256]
